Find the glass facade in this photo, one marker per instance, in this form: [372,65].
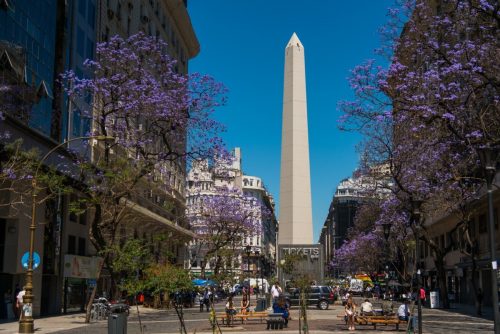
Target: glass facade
[80,25]
[31,25]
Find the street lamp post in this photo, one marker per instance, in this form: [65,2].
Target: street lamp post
[259,258]
[489,156]
[387,231]
[26,323]
[416,215]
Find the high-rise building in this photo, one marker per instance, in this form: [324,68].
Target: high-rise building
[27,47]
[295,183]
[38,41]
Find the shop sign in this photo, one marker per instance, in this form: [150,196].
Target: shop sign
[81,266]
[311,252]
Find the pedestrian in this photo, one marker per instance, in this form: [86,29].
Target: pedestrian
[350,313]
[366,308]
[280,306]
[199,297]
[245,305]
[20,302]
[276,291]
[7,299]
[422,295]
[403,311]
[14,304]
[479,301]
[206,299]
[230,310]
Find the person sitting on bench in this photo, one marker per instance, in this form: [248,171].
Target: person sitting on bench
[404,311]
[366,308]
[282,307]
[230,310]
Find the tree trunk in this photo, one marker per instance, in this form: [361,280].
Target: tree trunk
[442,282]
[202,272]
[92,295]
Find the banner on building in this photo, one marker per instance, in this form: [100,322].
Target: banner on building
[81,266]
[308,262]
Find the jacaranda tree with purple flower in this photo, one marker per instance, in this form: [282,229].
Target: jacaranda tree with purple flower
[222,220]
[159,120]
[429,112]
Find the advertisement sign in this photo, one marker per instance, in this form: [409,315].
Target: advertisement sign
[81,266]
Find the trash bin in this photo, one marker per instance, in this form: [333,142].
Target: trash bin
[261,305]
[434,299]
[117,321]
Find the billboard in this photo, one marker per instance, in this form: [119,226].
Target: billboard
[76,266]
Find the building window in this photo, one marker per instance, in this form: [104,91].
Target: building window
[71,244]
[72,216]
[81,246]
[82,218]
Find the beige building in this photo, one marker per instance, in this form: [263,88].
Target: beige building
[458,260]
[201,180]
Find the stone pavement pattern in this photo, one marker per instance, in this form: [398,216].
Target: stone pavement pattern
[165,321]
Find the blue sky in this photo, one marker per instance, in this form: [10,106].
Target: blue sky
[242,45]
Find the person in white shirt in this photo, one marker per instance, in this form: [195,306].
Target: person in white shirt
[20,301]
[403,311]
[366,308]
[276,292]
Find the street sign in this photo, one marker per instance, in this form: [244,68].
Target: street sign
[26,257]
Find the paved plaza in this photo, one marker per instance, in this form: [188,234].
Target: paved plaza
[457,320]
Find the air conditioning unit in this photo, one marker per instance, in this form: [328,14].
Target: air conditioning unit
[111,14]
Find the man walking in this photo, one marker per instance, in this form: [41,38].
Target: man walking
[20,302]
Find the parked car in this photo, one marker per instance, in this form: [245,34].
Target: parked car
[320,295]
[238,289]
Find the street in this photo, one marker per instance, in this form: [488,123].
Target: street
[165,321]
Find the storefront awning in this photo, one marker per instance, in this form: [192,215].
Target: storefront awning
[162,220]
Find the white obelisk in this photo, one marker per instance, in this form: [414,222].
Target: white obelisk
[295,223]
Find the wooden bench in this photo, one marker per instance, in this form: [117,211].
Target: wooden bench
[375,320]
[240,316]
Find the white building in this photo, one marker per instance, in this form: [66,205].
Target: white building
[254,255]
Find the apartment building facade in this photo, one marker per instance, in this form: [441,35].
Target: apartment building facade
[33,51]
